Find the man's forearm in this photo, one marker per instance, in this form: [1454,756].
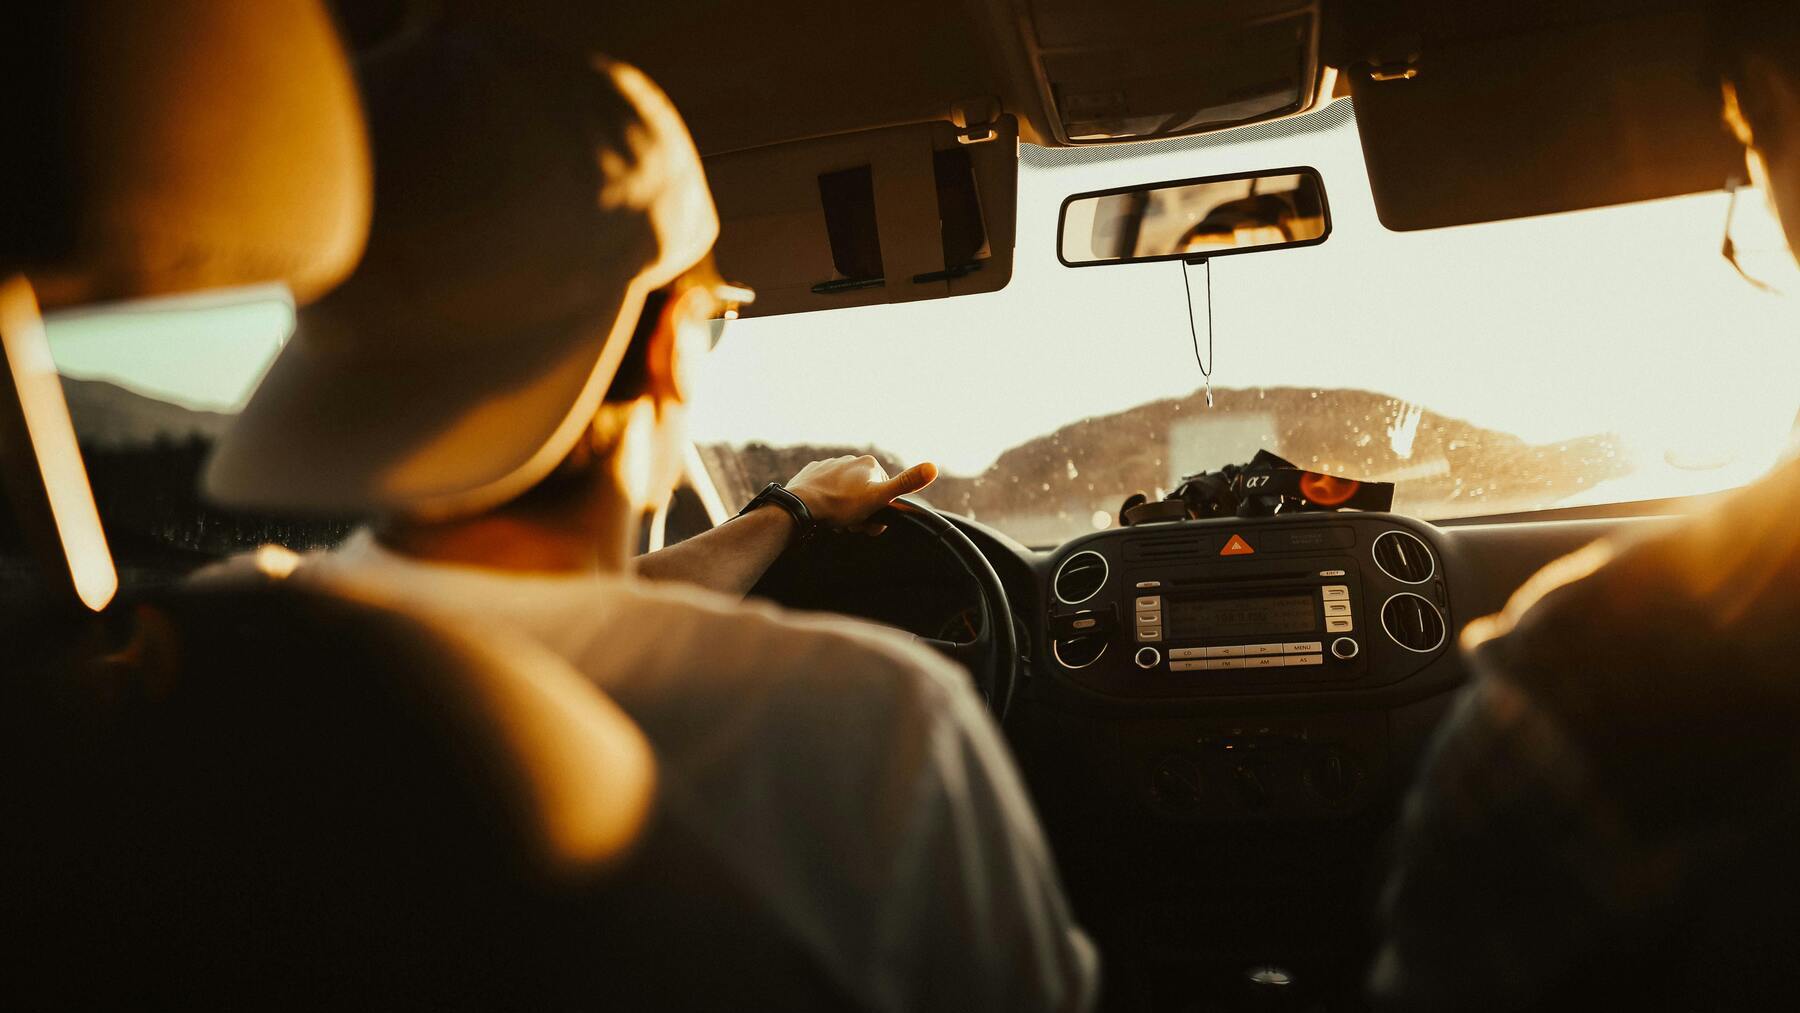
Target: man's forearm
[841,493]
[730,558]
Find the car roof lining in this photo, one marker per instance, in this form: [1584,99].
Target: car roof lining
[751,75]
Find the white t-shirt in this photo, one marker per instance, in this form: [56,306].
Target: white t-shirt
[851,779]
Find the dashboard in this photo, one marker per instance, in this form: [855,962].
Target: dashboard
[1221,670]
[1217,719]
[1215,803]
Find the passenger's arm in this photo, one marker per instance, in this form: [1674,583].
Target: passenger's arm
[1509,864]
[842,492]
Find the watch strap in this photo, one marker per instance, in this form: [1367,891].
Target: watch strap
[776,494]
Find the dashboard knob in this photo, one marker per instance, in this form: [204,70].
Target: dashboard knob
[1176,784]
[1148,657]
[1251,780]
[1345,648]
[1331,774]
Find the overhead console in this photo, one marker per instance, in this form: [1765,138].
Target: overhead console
[1232,607]
[1149,69]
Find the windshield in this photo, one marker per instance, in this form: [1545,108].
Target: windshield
[1593,357]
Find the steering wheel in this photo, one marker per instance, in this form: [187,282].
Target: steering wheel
[993,656]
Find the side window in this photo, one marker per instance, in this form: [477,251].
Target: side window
[684,518]
[151,386]
[699,504]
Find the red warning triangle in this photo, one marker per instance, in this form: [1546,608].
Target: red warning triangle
[1237,547]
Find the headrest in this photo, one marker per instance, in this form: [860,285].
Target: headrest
[179,145]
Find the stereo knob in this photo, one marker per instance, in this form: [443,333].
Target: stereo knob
[1148,657]
[1345,648]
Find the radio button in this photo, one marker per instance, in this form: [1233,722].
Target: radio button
[1149,634]
[1337,608]
[1338,624]
[1254,650]
[1297,660]
[1225,652]
[1186,653]
[1186,666]
[1217,663]
[1304,647]
[1265,661]
[1335,592]
[1148,602]
[1149,618]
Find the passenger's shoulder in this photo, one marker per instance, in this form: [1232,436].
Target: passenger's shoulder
[1730,565]
[1677,619]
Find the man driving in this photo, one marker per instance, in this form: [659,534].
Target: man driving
[1607,818]
[501,386]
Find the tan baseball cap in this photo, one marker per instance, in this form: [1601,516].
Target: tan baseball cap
[526,201]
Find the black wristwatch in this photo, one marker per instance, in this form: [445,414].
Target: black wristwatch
[776,494]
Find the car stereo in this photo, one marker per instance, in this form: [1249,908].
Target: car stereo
[1241,606]
[1192,622]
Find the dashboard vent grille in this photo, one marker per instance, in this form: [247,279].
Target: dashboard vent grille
[1413,623]
[1404,557]
[1080,577]
[1078,652]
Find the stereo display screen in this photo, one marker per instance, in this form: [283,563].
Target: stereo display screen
[1198,618]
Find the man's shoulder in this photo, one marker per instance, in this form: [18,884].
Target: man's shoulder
[757,639]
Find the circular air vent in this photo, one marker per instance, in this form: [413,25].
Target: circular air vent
[1413,623]
[1078,652]
[1080,577]
[1404,557]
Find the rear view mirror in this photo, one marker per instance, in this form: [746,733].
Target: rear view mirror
[1193,219]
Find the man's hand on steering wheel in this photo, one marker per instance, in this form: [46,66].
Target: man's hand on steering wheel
[844,492]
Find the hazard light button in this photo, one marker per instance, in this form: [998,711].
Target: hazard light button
[1236,546]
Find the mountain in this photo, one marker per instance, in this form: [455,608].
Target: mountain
[1042,491]
[1057,485]
[108,415]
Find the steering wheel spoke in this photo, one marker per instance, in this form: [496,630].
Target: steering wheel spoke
[967,652]
[992,658]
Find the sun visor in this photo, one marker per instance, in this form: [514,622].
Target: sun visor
[1534,122]
[921,211]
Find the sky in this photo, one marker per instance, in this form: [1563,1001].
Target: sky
[1622,320]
